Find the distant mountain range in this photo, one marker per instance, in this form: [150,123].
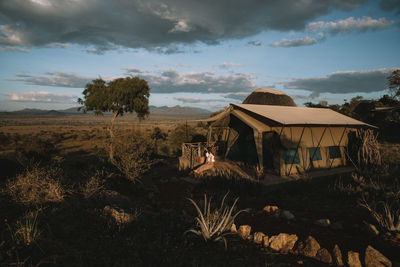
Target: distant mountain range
[176,111]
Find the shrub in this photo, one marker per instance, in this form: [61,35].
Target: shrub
[26,230]
[386,215]
[36,186]
[132,156]
[92,186]
[32,149]
[214,225]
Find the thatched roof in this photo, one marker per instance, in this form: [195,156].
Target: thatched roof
[266,96]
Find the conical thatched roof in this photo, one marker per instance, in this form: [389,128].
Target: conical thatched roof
[266,96]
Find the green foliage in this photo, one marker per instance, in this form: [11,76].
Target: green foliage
[130,94]
[394,83]
[214,225]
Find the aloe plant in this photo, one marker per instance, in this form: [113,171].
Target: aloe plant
[214,225]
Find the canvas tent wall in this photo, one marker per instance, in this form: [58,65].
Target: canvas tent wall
[286,139]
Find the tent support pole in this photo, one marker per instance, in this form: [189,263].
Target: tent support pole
[209,136]
[297,148]
[318,145]
[259,146]
[345,128]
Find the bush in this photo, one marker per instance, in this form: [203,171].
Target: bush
[36,186]
[32,149]
[132,156]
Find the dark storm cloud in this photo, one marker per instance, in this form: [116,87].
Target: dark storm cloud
[344,82]
[156,25]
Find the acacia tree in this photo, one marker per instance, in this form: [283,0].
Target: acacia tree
[394,82]
[130,94]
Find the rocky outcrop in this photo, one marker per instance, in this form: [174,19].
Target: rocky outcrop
[308,247]
[244,231]
[282,242]
[118,215]
[258,238]
[337,256]
[353,259]
[323,255]
[374,258]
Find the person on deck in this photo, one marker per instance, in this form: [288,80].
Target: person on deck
[210,159]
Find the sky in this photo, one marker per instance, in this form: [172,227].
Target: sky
[203,54]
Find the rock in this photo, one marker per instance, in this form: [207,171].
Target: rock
[265,241]
[324,256]
[110,197]
[233,228]
[353,259]
[118,215]
[282,242]
[250,238]
[371,229]
[270,209]
[258,237]
[337,226]
[287,215]
[309,247]
[244,231]
[374,258]
[323,222]
[337,256]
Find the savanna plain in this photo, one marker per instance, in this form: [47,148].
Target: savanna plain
[64,203]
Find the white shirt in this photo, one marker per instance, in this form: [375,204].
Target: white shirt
[210,157]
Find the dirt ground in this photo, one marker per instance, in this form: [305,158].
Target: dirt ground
[73,232]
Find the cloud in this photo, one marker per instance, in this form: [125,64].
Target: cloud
[343,82]
[228,65]
[240,96]
[14,49]
[41,96]
[196,100]
[391,5]
[171,81]
[304,41]
[152,24]
[254,43]
[57,79]
[349,25]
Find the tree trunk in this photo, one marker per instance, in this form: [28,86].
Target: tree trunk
[111,130]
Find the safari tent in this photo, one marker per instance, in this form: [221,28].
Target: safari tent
[283,139]
[269,131]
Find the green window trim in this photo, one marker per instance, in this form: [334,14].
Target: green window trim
[291,156]
[334,152]
[315,153]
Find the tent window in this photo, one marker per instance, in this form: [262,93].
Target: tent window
[315,153]
[334,152]
[291,156]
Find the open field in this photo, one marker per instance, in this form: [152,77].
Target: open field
[64,204]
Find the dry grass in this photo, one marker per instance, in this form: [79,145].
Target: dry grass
[94,185]
[386,215]
[26,229]
[36,186]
